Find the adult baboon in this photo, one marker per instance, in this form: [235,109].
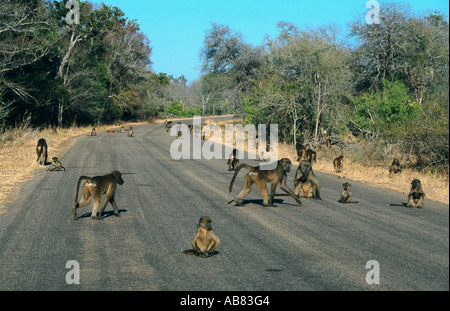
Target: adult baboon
[416,196]
[346,195]
[95,187]
[338,163]
[310,155]
[168,125]
[261,177]
[122,129]
[56,165]
[205,241]
[305,183]
[130,132]
[42,151]
[94,132]
[301,151]
[395,167]
[233,161]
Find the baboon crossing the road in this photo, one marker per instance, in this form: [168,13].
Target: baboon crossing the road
[95,187]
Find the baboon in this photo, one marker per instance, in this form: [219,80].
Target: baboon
[261,177]
[122,129]
[56,165]
[94,132]
[130,132]
[190,127]
[395,167]
[310,155]
[95,187]
[325,138]
[416,195]
[179,134]
[338,164]
[233,161]
[346,195]
[42,151]
[205,241]
[305,183]
[301,151]
[168,125]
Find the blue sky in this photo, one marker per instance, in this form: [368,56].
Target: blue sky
[176,28]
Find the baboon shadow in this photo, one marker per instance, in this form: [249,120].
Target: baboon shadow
[261,202]
[105,214]
[196,255]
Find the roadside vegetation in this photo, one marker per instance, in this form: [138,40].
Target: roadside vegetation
[378,91]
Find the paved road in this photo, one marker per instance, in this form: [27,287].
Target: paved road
[321,245]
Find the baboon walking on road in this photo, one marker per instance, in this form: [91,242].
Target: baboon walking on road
[95,187]
[42,151]
[261,177]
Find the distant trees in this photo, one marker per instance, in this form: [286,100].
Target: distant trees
[389,87]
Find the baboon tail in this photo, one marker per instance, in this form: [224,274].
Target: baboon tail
[249,167]
[78,186]
[190,252]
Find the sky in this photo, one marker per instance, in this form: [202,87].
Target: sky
[176,28]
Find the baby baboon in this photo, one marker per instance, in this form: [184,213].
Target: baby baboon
[395,167]
[56,165]
[41,150]
[205,241]
[179,134]
[94,132]
[233,161]
[95,187]
[338,164]
[305,183]
[261,177]
[301,151]
[416,194]
[346,195]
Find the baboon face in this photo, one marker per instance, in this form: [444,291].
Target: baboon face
[118,177]
[415,183]
[346,186]
[55,159]
[205,222]
[286,163]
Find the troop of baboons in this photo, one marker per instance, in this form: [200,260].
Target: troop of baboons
[205,241]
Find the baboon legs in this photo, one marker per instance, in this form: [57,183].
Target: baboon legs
[86,200]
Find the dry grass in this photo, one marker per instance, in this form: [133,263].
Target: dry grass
[436,187]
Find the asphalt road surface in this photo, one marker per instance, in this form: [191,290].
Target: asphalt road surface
[322,245]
